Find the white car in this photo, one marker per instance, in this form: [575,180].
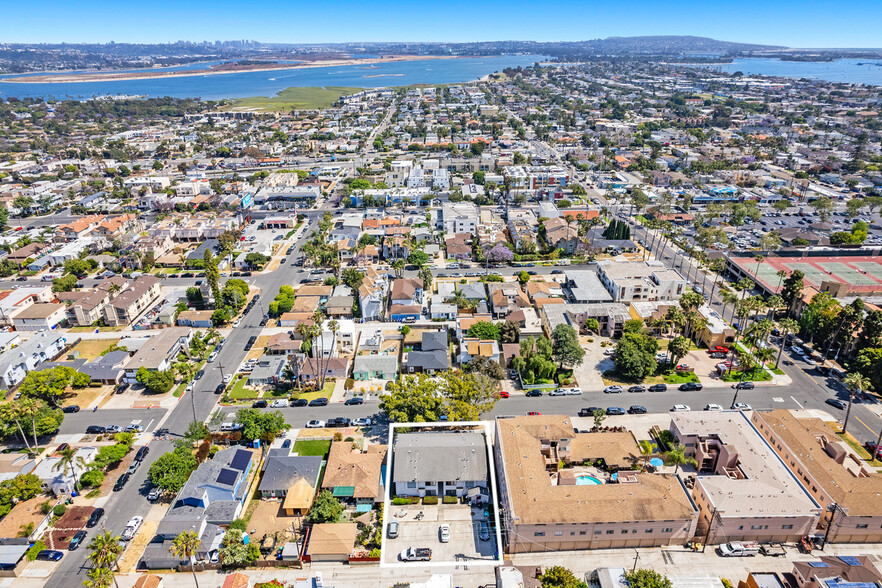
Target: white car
[212,357]
[113,429]
[558,392]
[797,350]
[574,391]
[131,528]
[444,533]
[228,378]
[190,386]
[809,361]
[361,422]
[315,424]
[237,323]
[741,406]
[133,428]
[680,408]
[279,404]
[714,407]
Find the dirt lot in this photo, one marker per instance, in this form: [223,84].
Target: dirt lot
[136,546]
[23,513]
[268,518]
[92,348]
[258,348]
[114,473]
[85,397]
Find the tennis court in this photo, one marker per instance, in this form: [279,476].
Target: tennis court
[813,274]
[848,274]
[871,268]
[863,274]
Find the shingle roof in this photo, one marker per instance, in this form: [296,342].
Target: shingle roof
[439,456]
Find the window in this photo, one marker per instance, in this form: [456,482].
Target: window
[755,527]
[862,526]
[648,531]
[740,527]
[411,484]
[598,532]
[667,530]
[583,532]
[624,531]
[610,532]
[558,533]
[786,526]
[539,534]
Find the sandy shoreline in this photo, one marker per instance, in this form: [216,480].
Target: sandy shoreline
[151,75]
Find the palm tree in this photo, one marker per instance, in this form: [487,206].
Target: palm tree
[856,383]
[99,577]
[68,462]
[398,265]
[763,355]
[11,412]
[184,545]
[785,326]
[334,327]
[645,450]
[30,408]
[729,299]
[677,457]
[105,551]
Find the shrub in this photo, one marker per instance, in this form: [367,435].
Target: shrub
[375,552]
[46,506]
[238,525]
[401,500]
[59,510]
[92,479]
[349,439]
[36,548]
[430,500]
[449,500]
[349,384]
[338,436]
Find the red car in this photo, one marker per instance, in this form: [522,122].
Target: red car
[503,394]
[719,349]
[534,413]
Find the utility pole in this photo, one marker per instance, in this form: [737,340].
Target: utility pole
[710,526]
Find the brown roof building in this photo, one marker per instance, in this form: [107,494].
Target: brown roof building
[355,474]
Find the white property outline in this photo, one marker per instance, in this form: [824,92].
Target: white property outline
[387,500]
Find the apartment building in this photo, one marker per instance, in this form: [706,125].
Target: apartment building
[439,463]
[41,316]
[743,490]
[159,352]
[627,281]
[132,301]
[459,217]
[17,362]
[838,479]
[543,511]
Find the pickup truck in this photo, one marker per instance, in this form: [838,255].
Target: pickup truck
[132,528]
[772,549]
[738,549]
[415,554]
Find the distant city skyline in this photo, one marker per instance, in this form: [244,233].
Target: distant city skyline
[805,24]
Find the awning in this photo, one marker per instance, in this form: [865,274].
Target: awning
[363,507]
[345,491]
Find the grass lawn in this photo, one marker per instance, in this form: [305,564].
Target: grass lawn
[855,444]
[91,349]
[238,391]
[318,447]
[324,393]
[92,329]
[179,390]
[755,376]
[276,393]
[612,378]
[680,378]
[663,345]
[293,98]
[774,370]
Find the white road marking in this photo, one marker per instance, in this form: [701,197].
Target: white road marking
[797,402]
[778,399]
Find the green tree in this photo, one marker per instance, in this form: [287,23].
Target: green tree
[823,206]
[635,356]
[678,348]
[523,277]
[171,470]
[599,416]
[418,258]
[647,579]
[234,552]
[260,425]
[560,577]
[212,275]
[566,349]
[157,382]
[509,332]
[677,457]
[484,330]
[184,546]
[791,290]
[48,384]
[69,463]
[325,509]
[99,578]
[104,551]
[412,399]
[592,326]
[64,283]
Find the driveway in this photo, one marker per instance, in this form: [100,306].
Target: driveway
[465,523]
[588,374]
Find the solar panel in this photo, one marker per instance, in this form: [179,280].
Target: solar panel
[227,477]
[849,560]
[240,460]
[818,564]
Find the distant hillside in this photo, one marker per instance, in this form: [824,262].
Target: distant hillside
[670,44]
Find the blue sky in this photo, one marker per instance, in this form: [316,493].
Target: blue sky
[804,23]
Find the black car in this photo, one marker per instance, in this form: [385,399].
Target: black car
[221,388]
[199,374]
[744,386]
[637,389]
[690,386]
[142,453]
[76,541]
[299,402]
[355,400]
[95,517]
[589,412]
[121,482]
[615,410]
[533,392]
[50,555]
[556,272]
[840,404]
[637,409]
[71,408]
[658,388]
[95,430]
[259,404]
[339,422]
[319,402]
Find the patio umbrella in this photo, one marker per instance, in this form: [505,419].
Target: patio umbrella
[656,462]
[365,518]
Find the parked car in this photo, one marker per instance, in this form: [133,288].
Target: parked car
[121,482]
[362,422]
[299,402]
[615,410]
[658,388]
[315,424]
[133,428]
[744,386]
[354,400]
[741,406]
[680,408]
[690,386]
[132,528]
[835,402]
[76,541]
[558,392]
[635,389]
[713,407]
[573,391]
[503,394]
[612,390]
[534,392]
[113,429]
[637,409]
[485,531]
[319,402]
[259,404]
[531,413]
[154,494]
[49,555]
[392,530]
[221,388]
[71,408]
[95,430]
[874,449]
[95,517]
[444,533]
[279,403]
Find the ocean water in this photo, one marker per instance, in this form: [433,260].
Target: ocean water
[853,71]
[268,83]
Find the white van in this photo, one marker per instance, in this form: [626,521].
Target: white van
[227,427]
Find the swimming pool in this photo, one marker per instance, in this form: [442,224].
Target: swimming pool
[586,480]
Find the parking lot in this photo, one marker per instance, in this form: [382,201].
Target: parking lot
[465,543]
